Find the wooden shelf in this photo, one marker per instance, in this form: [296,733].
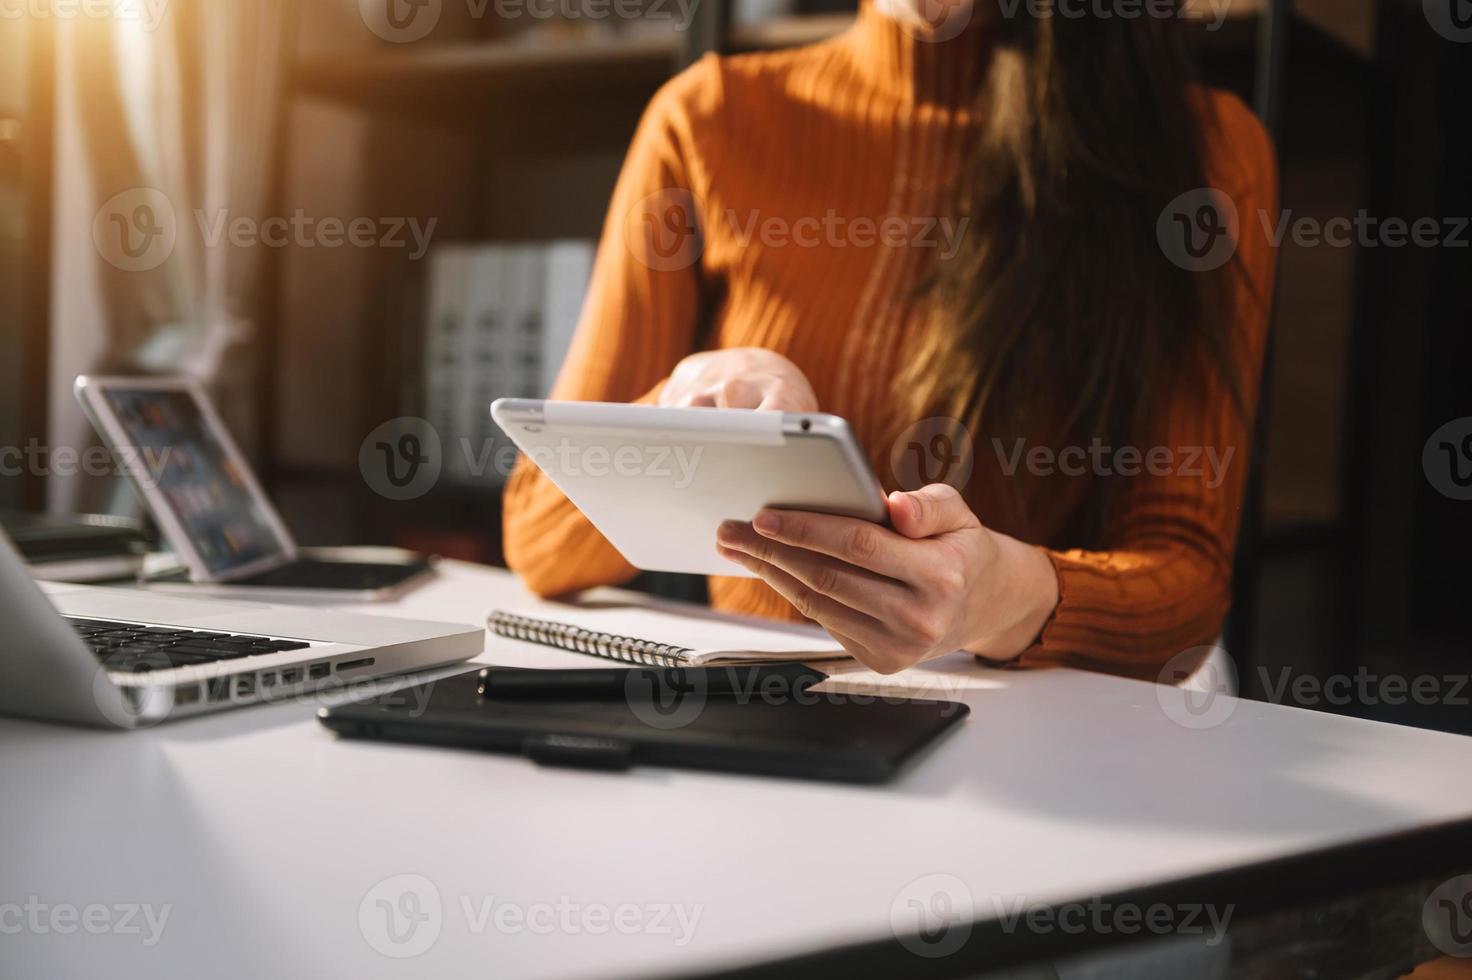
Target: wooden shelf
[788,32]
[518,100]
[436,78]
[446,77]
[1235,9]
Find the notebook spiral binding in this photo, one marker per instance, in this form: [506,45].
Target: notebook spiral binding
[565,636]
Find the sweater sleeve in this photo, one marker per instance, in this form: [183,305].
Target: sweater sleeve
[1163,586]
[638,320]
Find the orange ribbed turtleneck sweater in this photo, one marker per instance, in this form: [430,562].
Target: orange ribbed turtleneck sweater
[795,162]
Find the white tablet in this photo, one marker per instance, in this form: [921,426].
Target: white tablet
[658,482]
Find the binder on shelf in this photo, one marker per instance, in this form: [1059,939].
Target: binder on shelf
[447,333]
[500,318]
[485,367]
[569,269]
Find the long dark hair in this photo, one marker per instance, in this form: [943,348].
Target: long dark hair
[1060,318]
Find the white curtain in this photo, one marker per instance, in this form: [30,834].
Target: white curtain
[167,116]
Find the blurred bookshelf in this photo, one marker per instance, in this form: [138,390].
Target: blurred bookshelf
[504,137]
[465,74]
[513,68]
[420,79]
[499,136]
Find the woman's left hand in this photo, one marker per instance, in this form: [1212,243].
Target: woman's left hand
[938,581]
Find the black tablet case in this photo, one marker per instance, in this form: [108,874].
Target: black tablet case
[863,738]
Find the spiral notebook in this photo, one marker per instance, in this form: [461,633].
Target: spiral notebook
[665,639]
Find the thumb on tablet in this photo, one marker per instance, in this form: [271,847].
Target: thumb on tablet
[929,511]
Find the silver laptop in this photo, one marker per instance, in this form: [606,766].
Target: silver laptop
[124,658]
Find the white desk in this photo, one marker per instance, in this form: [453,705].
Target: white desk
[264,833]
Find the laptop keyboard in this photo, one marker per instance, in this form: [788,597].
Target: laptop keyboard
[135,648]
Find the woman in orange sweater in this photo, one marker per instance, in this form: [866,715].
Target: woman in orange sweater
[1002,231]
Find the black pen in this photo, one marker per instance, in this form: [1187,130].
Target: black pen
[595,683]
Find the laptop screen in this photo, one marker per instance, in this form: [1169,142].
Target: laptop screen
[196,477]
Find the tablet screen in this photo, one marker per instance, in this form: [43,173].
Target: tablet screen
[196,478]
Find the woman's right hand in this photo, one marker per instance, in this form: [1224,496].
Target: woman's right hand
[740,377]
